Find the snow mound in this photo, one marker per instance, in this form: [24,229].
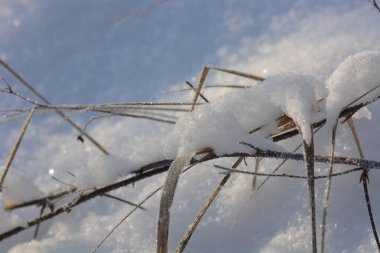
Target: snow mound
[354,77]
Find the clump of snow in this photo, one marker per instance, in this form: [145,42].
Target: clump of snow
[222,124]
[297,96]
[18,188]
[363,113]
[354,77]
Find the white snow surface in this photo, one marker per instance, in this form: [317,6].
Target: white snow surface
[357,75]
[225,122]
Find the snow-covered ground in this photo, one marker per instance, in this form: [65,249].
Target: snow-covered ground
[82,52]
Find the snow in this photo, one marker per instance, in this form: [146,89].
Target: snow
[355,77]
[102,170]
[293,36]
[227,121]
[18,189]
[222,125]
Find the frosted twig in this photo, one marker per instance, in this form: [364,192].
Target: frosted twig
[125,217]
[257,165]
[182,244]
[266,179]
[284,175]
[364,178]
[60,113]
[239,73]
[123,200]
[158,168]
[200,94]
[205,72]
[111,114]
[38,224]
[185,239]
[309,164]
[170,186]
[11,91]
[142,202]
[164,106]
[15,148]
[210,86]
[375,5]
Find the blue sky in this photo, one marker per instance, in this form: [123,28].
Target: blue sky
[79,52]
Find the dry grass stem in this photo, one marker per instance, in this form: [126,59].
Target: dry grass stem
[365,180]
[326,197]
[124,201]
[125,217]
[60,113]
[15,148]
[238,73]
[200,86]
[200,94]
[170,186]
[185,239]
[284,175]
[158,168]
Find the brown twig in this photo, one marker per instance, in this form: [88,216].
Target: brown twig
[200,94]
[327,189]
[182,245]
[185,239]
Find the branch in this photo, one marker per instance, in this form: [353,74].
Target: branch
[160,167]
[375,5]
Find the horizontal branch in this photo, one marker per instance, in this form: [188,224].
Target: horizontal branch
[262,174]
[162,166]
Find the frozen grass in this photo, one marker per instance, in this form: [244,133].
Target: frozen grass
[242,123]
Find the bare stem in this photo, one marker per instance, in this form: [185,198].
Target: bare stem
[15,148]
[327,190]
[309,163]
[365,179]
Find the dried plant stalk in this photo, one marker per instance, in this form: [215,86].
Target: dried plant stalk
[60,113]
[309,163]
[327,190]
[15,148]
[167,199]
[364,178]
